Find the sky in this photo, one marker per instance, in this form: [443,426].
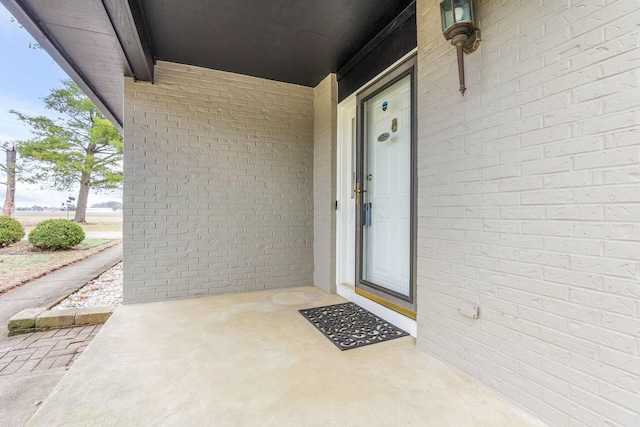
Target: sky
[26,76]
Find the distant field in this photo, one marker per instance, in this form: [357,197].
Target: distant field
[91,216]
[96,221]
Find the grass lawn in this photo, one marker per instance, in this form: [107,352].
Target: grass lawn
[21,262]
[96,221]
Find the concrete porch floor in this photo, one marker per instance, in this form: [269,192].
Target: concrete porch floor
[251,359]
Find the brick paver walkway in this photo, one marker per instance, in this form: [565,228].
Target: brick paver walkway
[44,350]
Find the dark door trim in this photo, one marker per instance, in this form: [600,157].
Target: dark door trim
[395,301]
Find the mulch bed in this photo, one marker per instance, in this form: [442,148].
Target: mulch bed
[23,247]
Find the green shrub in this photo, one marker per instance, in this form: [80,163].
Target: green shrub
[11,231]
[56,234]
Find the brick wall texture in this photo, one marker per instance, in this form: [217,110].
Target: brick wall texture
[528,198]
[324,183]
[218,189]
[529,205]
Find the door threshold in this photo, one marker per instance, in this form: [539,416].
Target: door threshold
[382,301]
[399,320]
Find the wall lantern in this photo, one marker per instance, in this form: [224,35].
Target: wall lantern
[458,25]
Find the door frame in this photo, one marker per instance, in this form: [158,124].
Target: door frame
[393,300]
[345,274]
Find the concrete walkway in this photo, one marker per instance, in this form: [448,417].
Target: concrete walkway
[55,286]
[31,365]
[252,360]
[103,234]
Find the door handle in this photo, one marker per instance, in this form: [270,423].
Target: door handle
[358,191]
[367,214]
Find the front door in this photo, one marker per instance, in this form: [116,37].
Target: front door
[384,191]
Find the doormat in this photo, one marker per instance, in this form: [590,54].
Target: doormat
[350,326]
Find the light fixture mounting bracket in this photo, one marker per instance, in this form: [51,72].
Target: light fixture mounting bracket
[473,41]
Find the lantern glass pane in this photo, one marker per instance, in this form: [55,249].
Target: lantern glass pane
[462,11]
[446,11]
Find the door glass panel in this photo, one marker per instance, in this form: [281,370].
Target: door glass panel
[386,204]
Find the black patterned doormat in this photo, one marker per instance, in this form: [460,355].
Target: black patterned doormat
[350,326]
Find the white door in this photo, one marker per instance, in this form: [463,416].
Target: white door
[386,227]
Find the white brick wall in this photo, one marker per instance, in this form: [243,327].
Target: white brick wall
[529,205]
[218,189]
[324,183]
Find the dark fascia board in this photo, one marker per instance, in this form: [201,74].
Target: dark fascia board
[28,21]
[129,24]
[397,22]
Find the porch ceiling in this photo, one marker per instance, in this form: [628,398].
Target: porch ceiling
[286,40]
[294,41]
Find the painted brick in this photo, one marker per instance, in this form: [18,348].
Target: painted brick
[551,116]
[622,175]
[218,182]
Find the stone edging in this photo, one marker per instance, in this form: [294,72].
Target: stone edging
[41,319]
